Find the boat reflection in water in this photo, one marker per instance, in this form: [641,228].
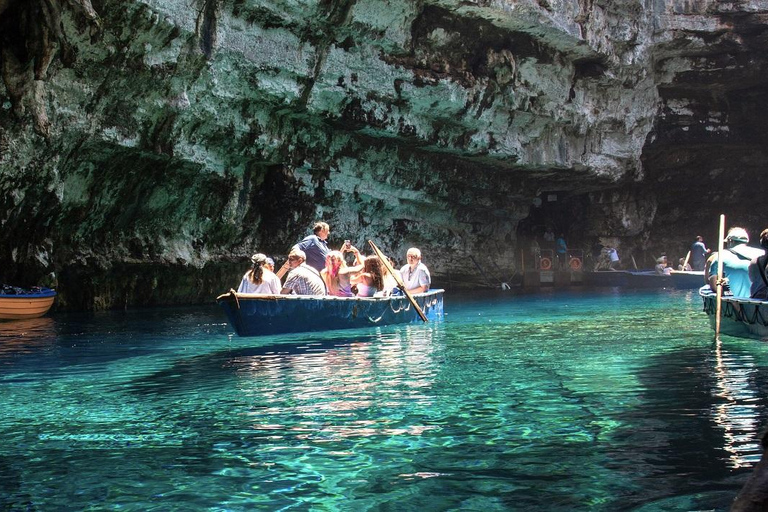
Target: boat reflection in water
[20,337]
[298,391]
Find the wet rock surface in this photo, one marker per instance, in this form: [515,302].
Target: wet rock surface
[148,148]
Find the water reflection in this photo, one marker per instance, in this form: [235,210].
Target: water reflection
[297,393]
[20,337]
[737,413]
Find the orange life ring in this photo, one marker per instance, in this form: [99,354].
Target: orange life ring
[575,264]
[545,264]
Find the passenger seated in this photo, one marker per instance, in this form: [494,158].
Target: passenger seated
[736,259]
[683,266]
[390,283]
[415,274]
[757,271]
[371,279]
[302,279]
[337,274]
[661,266]
[259,279]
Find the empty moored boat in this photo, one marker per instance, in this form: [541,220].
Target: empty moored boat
[18,303]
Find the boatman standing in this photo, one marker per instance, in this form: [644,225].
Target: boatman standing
[736,260]
[699,254]
[415,274]
[315,246]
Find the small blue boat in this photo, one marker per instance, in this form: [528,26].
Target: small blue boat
[744,318]
[256,315]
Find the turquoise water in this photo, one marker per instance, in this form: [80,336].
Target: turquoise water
[553,401]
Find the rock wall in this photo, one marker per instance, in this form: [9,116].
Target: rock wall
[147,148]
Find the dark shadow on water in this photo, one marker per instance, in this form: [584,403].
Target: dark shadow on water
[699,414]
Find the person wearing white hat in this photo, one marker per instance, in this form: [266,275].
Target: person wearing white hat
[259,279]
[736,258]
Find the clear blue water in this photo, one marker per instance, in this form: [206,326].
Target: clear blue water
[556,401]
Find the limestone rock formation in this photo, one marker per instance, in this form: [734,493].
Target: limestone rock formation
[148,147]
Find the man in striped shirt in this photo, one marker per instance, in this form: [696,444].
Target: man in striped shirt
[302,279]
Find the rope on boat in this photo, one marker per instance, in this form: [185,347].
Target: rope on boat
[234,294]
[736,312]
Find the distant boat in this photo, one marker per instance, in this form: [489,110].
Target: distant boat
[744,318]
[19,303]
[256,315]
[645,279]
[688,280]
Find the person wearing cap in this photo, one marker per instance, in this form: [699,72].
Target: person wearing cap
[259,279]
[758,273]
[736,258]
[699,253]
[315,246]
[270,265]
[302,279]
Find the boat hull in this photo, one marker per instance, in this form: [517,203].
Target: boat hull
[26,305]
[256,315]
[644,279]
[743,318]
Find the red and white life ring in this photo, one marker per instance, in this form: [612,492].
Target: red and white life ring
[545,263]
[575,264]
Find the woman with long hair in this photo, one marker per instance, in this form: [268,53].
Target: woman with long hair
[259,279]
[337,274]
[371,279]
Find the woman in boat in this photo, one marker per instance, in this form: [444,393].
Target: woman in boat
[661,266]
[337,274]
[371,279]
[259,279]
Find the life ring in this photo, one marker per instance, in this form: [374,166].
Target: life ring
[545,264]
[575,264]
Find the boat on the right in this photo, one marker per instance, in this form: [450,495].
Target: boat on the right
[744,318]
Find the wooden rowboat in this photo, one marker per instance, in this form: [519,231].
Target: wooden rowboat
[256,315]
[744,318]
[17,303]
[644,279]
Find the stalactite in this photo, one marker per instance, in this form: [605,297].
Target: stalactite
[31,36]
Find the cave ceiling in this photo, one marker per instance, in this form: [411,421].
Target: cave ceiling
[189,133]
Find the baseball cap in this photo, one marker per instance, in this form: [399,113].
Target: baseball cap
[737,235]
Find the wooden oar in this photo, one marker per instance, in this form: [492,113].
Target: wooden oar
[396,275]
[687,257]
[719,274]
[282,270]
